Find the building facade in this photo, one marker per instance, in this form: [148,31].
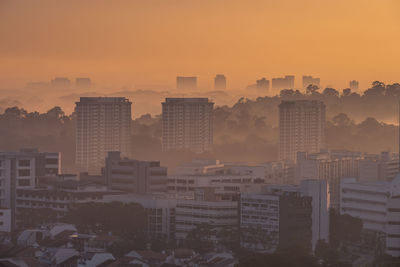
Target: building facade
[330,166]
[353,85]
[301,128]
[310,80]
[103,124]
[20,170]
[318,190]
[186,83]
[187,124]
[286,82]
[134,176]
[220,82]
[377,204]
[206,208]
[271,221]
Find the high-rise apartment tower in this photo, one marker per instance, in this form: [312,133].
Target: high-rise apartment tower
[301,127]
[103,124]
[187,124]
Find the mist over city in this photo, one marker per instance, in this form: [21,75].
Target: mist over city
[199,133]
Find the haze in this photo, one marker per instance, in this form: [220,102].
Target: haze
[123,43]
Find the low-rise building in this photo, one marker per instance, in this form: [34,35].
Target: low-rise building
[279,220]
[134,176]
[377,204]
[160,211]
[60,196]
[318,190]
[206,208]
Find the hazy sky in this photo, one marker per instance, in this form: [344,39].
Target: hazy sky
[150,42]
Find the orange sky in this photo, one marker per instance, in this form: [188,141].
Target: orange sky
[127,42]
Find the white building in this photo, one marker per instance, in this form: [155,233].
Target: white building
[103,124]
[383,167]
[226,186]
[187,124]
[301,128]
[205,208]
[377,205]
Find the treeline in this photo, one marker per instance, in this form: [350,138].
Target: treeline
[246,131]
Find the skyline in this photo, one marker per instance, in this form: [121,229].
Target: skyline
[152,42]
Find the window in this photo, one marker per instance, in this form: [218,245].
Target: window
[51,161]
[24,163]
[24,182]
[24,172]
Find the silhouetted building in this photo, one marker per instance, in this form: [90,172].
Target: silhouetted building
[83,83]
[301,127]
[310,80]
[134,176]
[286,82]
[103,124]
[220,82]
[353,85]
[186,83]
[318,190]
[60,82]
[187,124]
[263,84]
[275,220]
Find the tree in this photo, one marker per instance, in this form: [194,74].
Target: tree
[346,92]
[115,217]
[256,237]
[202,237]
[27,218]
[330,92]
[344,229]
[293,257]
[312,89]
[377,89]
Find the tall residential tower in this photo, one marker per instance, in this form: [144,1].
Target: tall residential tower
[103,125]
[187,124]
[301,127]
[220,82]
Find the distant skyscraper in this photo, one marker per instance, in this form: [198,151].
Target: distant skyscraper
[103,125]
[353,85]
[310,80]
[61,82]
[286,82]
[187,123]
[219,82]
[83,83]
[301,127]
[263,84]
[186,83]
